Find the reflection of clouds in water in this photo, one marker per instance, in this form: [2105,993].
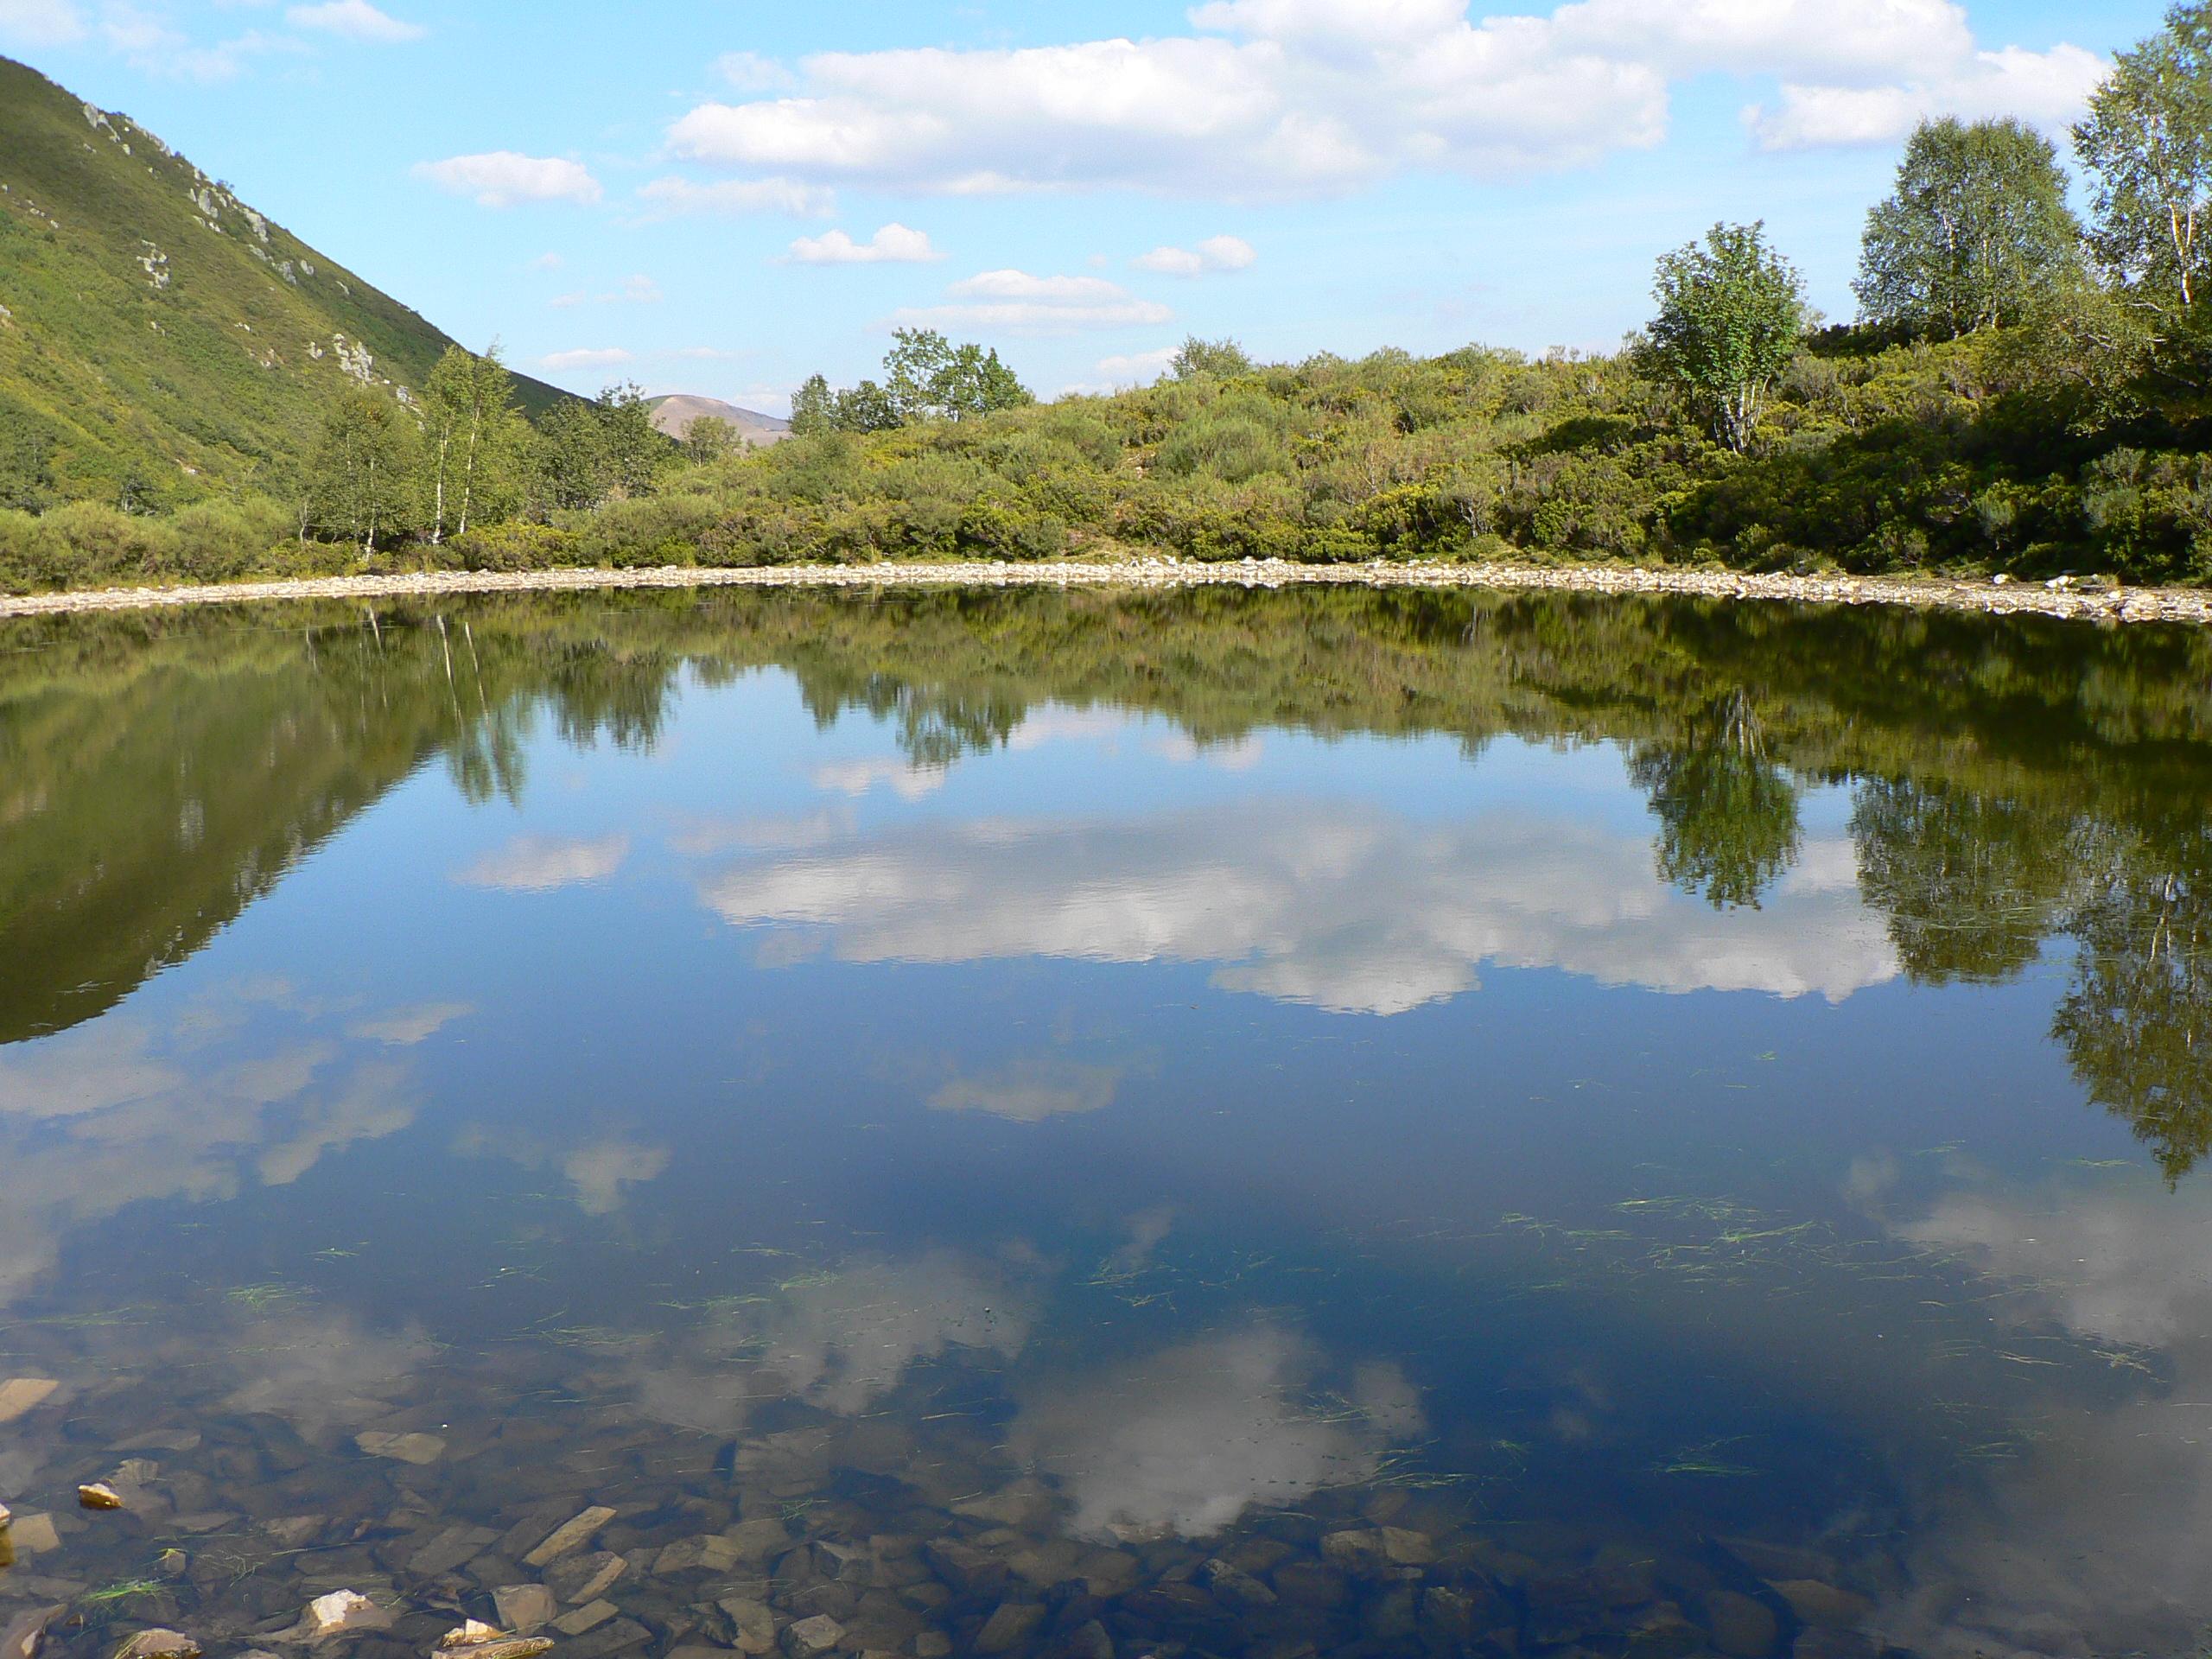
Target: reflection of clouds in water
[1185,1441]
[1031,1089]
[539,863]
[601,1170]
[843,1340]
[117,1113]
[1342,906]
[2092,1540]
[699,838]
[404,1027]
[318,1370]
[902,778]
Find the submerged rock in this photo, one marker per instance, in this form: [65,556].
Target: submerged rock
[418,1449]
[99,1495]
[160,1644]
[473,1639]
[572,1534]
[1009,1627]
[20,1394]
[23,1634]
[753,1621]
[7,1537]
[341,1612]
[1742,1628]
[812,1636]
[524,1607]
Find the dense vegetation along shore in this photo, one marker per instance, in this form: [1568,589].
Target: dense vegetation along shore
[2064,601]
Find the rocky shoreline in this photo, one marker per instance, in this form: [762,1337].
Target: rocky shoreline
[2063,599]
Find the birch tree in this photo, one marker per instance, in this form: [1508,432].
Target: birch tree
[1975,233]
[1732,316]
[2147,141]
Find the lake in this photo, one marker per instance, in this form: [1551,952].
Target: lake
[1235,1123]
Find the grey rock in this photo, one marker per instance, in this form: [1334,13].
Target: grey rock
[1009,1627]
[809,1636]
[572,1534]
[754,1622]
[1742,1628]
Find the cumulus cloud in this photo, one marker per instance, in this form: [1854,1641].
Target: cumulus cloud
[500,178]
[1032,1089]
[672,196]
[1216,253]
[1018,302]
[1341,907]
[893,244]
[534,863]
[354,19]
[2046,88]
[40,22]
[1184,1441]
[1299,97]
[1135,368]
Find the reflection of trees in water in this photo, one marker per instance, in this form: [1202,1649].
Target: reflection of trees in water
[1972,884]
[1727,814]
[2137,1021]
[2015,781]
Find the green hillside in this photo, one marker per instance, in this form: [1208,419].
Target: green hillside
[160,341]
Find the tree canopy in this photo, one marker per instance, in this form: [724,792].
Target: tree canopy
[1976,232]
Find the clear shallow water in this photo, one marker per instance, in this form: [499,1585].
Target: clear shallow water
[1046,1120]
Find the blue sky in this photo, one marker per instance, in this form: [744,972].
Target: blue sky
[691,195]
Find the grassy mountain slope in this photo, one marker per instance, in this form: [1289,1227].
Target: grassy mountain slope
[159,339]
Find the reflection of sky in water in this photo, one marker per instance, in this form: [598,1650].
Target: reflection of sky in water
[1241,1119]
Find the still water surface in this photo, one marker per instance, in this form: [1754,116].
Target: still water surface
[1274,1124]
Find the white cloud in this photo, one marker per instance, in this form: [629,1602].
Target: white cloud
[40,22]
[501,178]
[1135,368]
[567,301]
[589,357]
[1300,97]
[151,46]
[1345,907]
[1216,253]
[548,262]
[635,290]
[2048,89]
[893,244]
[750,73]
[680,195]
[534,863]
[1184,1441]
[1018,302]
[354,19]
